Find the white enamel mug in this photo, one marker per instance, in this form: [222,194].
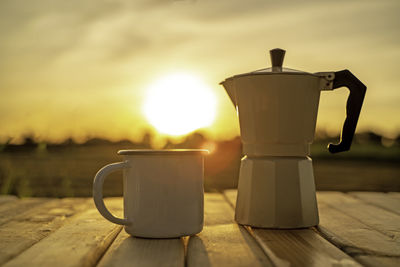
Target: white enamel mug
[163,192]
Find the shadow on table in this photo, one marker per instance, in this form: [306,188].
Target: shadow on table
[197,254]
[130,251]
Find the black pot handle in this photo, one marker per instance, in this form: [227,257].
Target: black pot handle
[353,107]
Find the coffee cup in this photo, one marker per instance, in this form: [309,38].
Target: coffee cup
[162,190]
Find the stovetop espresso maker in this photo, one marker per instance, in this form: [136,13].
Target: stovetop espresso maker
[277,109]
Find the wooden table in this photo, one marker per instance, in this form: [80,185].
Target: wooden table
[356,229]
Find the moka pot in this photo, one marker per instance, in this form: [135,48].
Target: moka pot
[277,109]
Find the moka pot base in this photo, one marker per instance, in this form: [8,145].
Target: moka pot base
[276,192]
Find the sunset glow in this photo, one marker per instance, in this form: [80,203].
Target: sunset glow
[84,69]
[178,104]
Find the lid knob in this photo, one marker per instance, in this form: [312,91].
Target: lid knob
[277,56]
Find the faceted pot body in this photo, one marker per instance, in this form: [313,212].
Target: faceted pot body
[276,192]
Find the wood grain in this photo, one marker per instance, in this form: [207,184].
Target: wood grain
[353,236]
[230,196]
[224,245]
[384,200]
[7,198]
[302,247]
[131,251]
[222,242]
[11,209]
[394,194]
[217,210]
[375,217]
[375,261]
[70,232]
[80,242]
[28,228]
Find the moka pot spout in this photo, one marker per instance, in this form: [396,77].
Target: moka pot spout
[229,85]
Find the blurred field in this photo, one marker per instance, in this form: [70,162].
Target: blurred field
[68,169]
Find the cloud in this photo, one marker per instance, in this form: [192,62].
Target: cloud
[65,51]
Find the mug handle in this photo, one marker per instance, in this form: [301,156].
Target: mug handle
[98,191]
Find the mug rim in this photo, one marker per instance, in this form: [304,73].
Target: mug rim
[162,151]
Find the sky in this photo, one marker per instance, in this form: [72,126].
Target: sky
[82,68]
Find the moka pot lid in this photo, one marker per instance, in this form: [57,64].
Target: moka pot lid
[277,56]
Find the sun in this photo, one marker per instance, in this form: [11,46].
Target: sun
[179,103]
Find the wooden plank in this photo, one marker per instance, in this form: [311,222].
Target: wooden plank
[80,242]
[26,229]
[375,217]
[384,200]
[140,252]
[307,248]
[136,251]
[394,194]
[230,196]
[353,236]
[131,251]
[225,245]
[222,242]
[7,198]
[217,210]
[348,233]
[379,261]
[11,209]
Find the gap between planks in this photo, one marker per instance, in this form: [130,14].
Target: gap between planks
[380,219]
[221,243]
[302,247]
[11,209]
[359,228]
[387,201]
[30,226]
[349,224]
[355,227]
[219,220]
[79,242]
